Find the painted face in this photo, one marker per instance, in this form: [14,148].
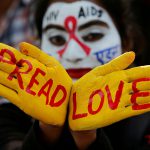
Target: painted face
[81,35]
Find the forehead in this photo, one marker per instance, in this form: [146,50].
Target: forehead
[83,11]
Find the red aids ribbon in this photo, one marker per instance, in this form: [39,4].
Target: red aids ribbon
[71,20]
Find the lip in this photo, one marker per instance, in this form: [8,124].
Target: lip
[77,73]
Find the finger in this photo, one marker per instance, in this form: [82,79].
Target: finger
[141,97]
[12,84]
[126,95]
[119,63]
[139,100]
[141,84]
[23,65]
[125,101]
[11,53]
[37,54]
[129,112]
[7,65]
[142,94]
[137,72]
[9,94]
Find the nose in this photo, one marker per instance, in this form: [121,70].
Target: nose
[74,52]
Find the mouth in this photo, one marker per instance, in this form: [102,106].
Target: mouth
[77,73]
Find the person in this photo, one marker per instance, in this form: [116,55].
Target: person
[79,51]
[77,64]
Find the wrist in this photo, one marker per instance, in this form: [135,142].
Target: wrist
[84,139]
[50,133]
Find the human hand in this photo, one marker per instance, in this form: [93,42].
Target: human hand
[34,82]
[108,94]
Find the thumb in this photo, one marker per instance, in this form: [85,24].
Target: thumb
[119,63]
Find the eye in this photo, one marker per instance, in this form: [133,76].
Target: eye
[57,40]
[93,37]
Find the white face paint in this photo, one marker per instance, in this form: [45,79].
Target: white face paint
[81,35]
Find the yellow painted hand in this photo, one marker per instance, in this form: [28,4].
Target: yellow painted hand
[108,94]
[35,82]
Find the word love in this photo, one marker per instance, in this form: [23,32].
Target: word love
[45,89]
[113,104]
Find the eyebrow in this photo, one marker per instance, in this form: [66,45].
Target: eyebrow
[48,27]
[91,23]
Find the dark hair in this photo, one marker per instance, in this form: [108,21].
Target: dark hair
[119,10]
[142,9]
[41,7]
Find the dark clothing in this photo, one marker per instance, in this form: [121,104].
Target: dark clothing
[20,132]
[130,134]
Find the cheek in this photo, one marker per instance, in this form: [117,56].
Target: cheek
[111,39]
[105,55]
[106,49]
